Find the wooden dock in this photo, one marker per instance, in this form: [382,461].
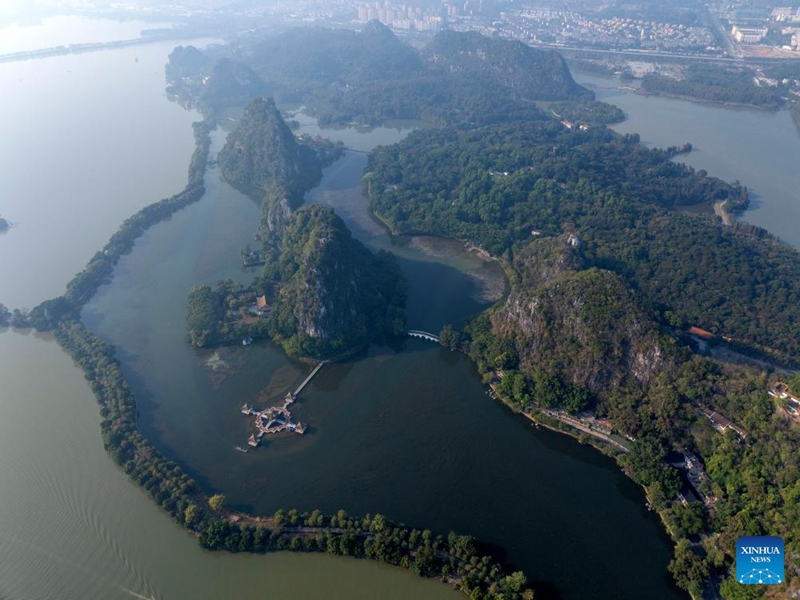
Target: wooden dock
[308,379]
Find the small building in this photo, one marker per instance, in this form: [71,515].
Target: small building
[701,333]
[721,423]
[784,392]
[262,306]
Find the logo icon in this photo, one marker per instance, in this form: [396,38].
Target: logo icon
[759,560]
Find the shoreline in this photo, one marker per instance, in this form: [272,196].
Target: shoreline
[177,493]
[99,46]
[699,100]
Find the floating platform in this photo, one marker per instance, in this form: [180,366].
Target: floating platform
[276,419]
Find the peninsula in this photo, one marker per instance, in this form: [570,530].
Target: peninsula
[320,293]
[623,283]
[613,253]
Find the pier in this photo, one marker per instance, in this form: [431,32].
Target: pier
[424,335]
[276,419]
[308,379]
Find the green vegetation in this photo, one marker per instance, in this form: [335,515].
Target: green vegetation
[343,76]
[334,295]
[455,558]
[204,311]
[589,112]
[263,153]
[606,270]
[263,156]
[496,185]
[326,293]
[716,84]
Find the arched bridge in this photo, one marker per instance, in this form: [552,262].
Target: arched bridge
[424,335]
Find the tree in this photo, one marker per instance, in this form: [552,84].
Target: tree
[216,502]
[733,590]
[449,337]
[688,519]
[688,569]
[190,514]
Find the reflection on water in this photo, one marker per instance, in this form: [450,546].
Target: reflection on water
[73,526]
[758,148]
[405,428]
[88,140]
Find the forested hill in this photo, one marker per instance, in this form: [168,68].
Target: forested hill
[606,269]
[512,66]
[502,186]
[716,84]
[263,155]
[262,152]
[305,58]
[344,76]
[335,295]
[326,293]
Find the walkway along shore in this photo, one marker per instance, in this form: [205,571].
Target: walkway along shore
[177,493]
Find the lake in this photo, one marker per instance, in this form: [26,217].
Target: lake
[758,148]
[63,30]
[404,429]
[87,141]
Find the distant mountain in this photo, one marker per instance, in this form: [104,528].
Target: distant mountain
[519,70]
[345,76]
[308,58]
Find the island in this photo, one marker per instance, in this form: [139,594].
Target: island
[320,293]
[617,309]
[627,290]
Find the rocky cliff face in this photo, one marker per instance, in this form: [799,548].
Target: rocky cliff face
[335,294]
[586,326]
[262,155]
[527,73]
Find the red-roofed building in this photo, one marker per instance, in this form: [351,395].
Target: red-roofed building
[701,333]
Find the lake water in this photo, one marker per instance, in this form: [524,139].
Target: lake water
[73,526]
[758,148]
[404,429]
[87,141]
[63,30]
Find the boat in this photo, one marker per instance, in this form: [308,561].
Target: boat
[248,341]
[240,449]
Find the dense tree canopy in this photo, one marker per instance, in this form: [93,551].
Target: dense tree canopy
[503,187]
